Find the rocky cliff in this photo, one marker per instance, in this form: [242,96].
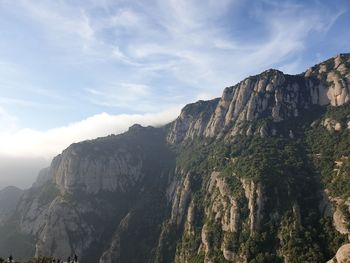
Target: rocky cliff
[9,198]
[270,93]
[258,175]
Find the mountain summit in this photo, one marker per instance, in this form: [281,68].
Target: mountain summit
[261,174]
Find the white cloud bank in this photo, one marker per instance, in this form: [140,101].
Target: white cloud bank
[23,153]
[47,144]
[199,48]
[203,45]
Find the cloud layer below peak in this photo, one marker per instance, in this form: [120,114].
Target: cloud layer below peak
[46,144]
[125,62]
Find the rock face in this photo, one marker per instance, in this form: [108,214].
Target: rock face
[44,176]
[271,93]
[192,121]
[82,203]
[9,198]
[342,256]
[335,72]
[225,211]
[85,167]
[253,176]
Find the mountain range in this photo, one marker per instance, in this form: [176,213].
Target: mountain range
[261,174]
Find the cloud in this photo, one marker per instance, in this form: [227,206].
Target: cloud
[104,48]
[8,122]
[46,144]
[125,18]
[62,19]
[18,81]
[206,56]
[24,152]
[200,47]
[20,171]
[131,96]
[138,56]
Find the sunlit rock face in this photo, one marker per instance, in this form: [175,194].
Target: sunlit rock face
[342,256]
[85,167]
[253,176]
[335,76]
[271,93]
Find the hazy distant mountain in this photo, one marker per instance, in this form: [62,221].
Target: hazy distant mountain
[20,171]
[9,198]
[261,174]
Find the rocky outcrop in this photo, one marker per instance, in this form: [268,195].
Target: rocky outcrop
[223,210]
[33,214]
[223,182]
[246,101]
[33,207]
[224,206]
[85,167]
[330,124]
[270,93]
[255,196]
[340,221]
[192,121]
[63,220]
[334,76]
[91,187]
[181,200]
[224,217]
[342,256]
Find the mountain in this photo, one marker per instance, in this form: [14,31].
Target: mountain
[258,175]
[9,198]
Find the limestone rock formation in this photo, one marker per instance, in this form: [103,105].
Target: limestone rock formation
[253,176]
[85,167]
[271,93]
[342,256]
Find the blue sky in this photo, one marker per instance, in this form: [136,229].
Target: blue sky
[79,69]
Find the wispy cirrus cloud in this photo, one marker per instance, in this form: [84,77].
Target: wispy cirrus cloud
[199,47]
[62,61]
[198,44]
[140,57]
[122,95]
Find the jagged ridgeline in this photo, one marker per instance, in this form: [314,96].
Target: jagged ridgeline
[261,174]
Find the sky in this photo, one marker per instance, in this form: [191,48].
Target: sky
[72,70]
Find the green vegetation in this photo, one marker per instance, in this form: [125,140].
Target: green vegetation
[289,169]
[327,147]
[290,173]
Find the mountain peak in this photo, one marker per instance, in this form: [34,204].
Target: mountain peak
[235,197]
[270,93]
[136,127]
